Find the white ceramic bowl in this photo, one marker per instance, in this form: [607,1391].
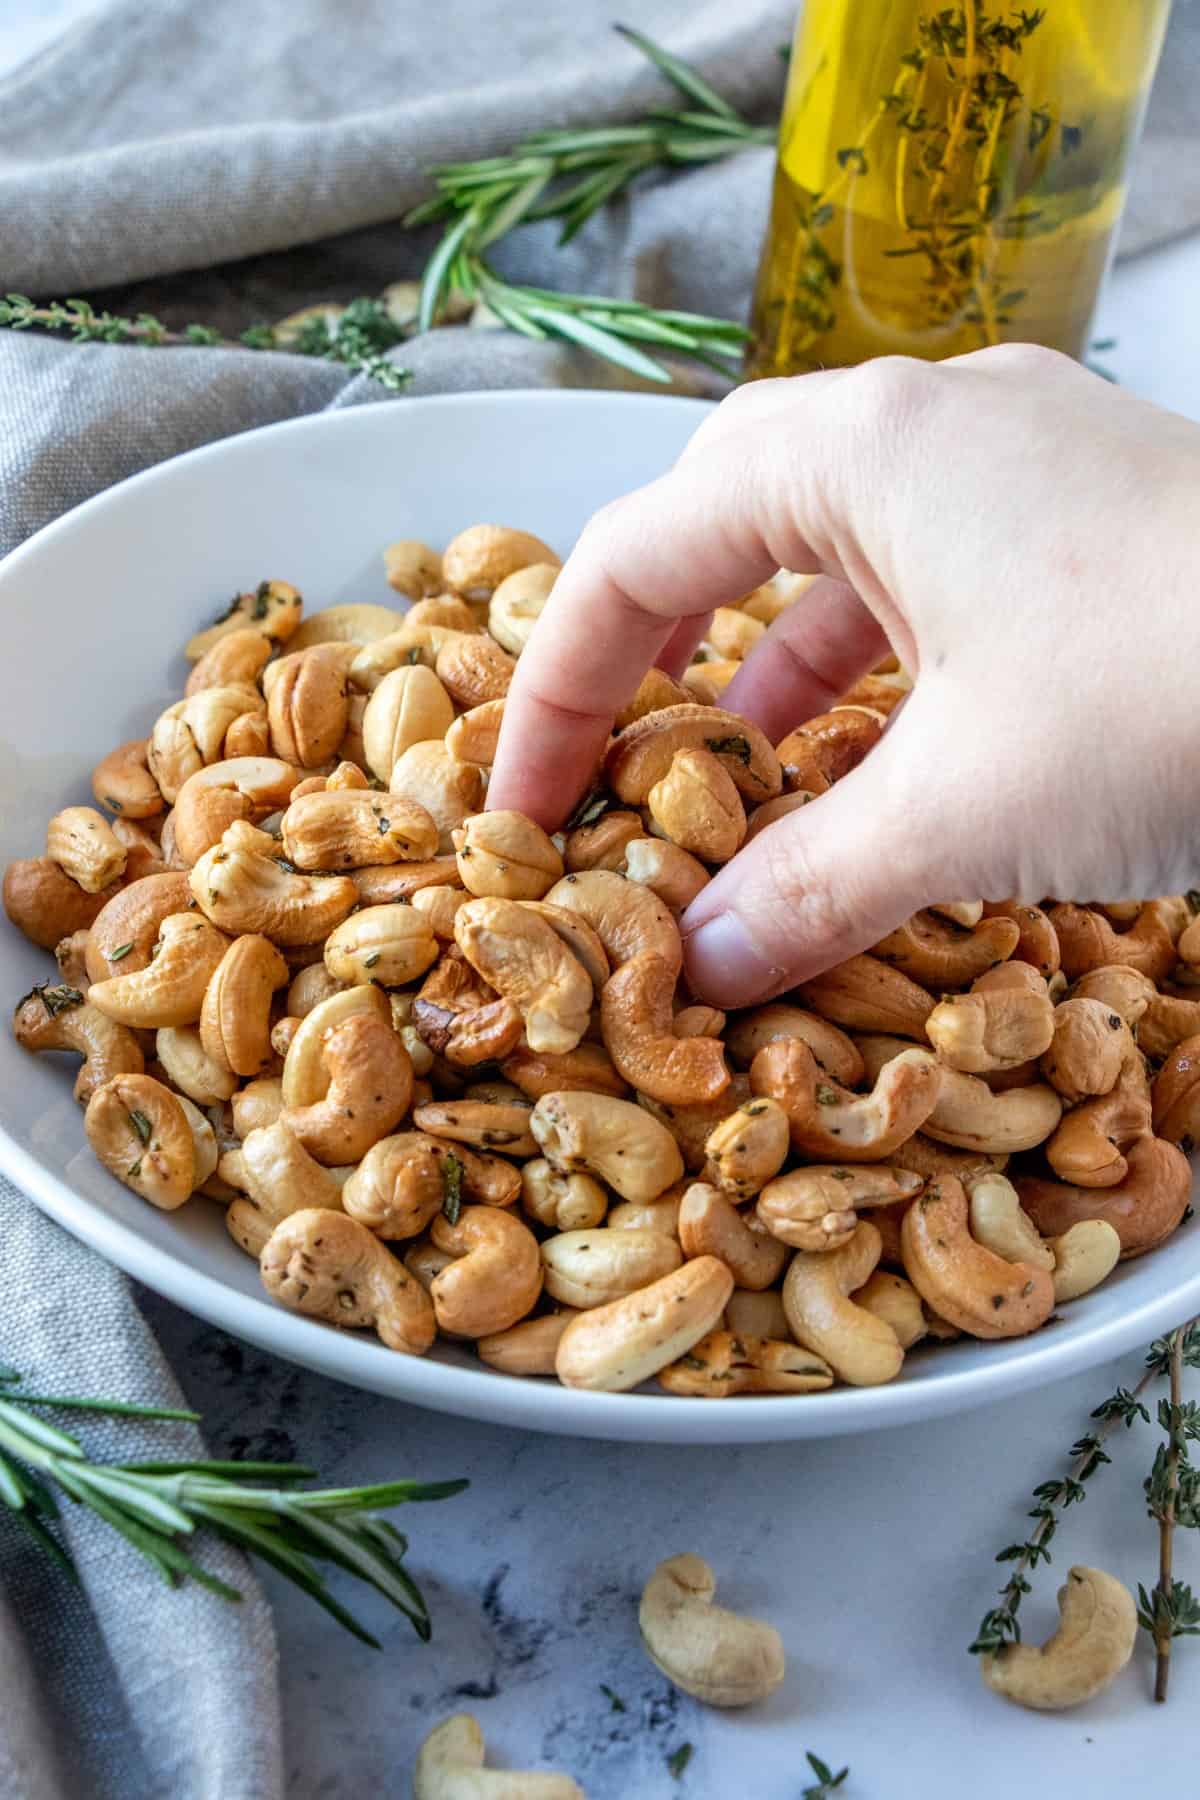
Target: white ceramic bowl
[93,612]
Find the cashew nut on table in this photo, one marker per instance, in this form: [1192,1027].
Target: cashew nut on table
[443,1072]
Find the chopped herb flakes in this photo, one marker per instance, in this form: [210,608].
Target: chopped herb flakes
[679,1759]
[452,1174]
[730,746]
[58,999]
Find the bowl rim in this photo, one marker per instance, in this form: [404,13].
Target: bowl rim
[486,1394]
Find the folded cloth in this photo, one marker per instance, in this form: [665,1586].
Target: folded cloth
[145,146]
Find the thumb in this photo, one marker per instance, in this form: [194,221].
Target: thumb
[832,878]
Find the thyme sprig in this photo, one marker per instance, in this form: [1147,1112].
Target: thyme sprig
[359,337]
[1172,1489]
[158,1506]
[1172,1492]
[568,175]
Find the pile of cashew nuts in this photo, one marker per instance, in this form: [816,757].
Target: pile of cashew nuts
[443,1074]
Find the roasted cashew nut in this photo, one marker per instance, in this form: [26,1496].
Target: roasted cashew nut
[613,1139]
[191,734]
[692,1126]
[1176,1096]
[710,1225]
[999,1222]
[528,1348]
[278,1178]
[370,1087]
[506,855]
[601,843]
[273,610]
[672,873]
[613,1348]
[748,1149]
[696,805]
[236,660]
[865,994]
[1095,1638]
[896,1301]
[1144,1210]
[328,1266]
[940,956]
[761,1025]
[190,1068]
[859,1347]
[350,828]
[816,1208]
[143,1135]
[524,959]
[825,748]
[123,783]
[1037,943]
[562,1202]
[1088,941]
[412,568]
[642,752]
[588,1066]
[241,886]
[828,1122]
[125,930]
[463,1019]
[727,1362]
[495,1277]
[307,705]
[994,1026]
[389,945]
[427,775]
[637,1026]
[628,919]
[718,1656]
[479,558]
[398,1186]
[474,670]
[235,1018]
[59,1018]
[1088,1147]
[1091,1044]
[248,788]
[980,1292]
[82,842]
[170,990]
[46,904]
[1084,1256]
[587,1268]
[408,706]
[450,1767]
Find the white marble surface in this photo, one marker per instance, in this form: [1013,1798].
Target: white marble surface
[871,1555]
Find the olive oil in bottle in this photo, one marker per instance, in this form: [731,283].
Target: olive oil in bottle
[948,177]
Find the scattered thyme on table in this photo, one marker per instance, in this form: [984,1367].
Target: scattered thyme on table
[565,174]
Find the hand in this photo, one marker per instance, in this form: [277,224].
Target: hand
[1023,535]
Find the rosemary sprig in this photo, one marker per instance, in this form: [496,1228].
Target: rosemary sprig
[564,174]
[158,1506]
[1172,1491]
[568,175]
[358,337]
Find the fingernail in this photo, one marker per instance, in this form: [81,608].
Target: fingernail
[726,966]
